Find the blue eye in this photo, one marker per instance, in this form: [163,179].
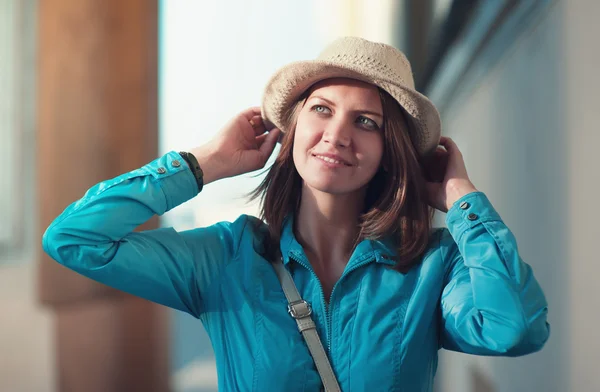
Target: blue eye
[320,109]
[367,122]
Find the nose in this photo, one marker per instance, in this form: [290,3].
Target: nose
[338,134]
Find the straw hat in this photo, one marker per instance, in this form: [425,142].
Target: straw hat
[356,58]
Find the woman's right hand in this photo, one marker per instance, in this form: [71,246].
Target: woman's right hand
[241,146]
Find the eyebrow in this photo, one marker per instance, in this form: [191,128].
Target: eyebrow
[356,111]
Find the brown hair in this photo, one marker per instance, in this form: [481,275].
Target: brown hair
[395,205]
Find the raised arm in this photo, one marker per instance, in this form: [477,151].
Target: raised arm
[491,303]
[95,235]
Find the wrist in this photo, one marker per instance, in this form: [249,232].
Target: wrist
[458,190]
[209,163]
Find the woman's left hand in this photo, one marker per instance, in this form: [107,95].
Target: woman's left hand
[448,173]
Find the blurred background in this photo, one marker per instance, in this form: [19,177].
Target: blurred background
[90,89]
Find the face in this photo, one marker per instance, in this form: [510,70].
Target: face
[338,142]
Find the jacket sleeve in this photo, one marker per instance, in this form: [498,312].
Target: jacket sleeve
[95,237]
[491,303]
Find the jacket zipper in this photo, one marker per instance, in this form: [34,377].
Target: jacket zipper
[355,266]
[325,307]
[328,311]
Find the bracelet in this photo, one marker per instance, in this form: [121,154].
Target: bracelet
[194,167]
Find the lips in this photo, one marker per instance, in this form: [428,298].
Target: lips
[332,159]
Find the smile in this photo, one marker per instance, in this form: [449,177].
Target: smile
[331,160]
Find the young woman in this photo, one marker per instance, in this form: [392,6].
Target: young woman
[346,213]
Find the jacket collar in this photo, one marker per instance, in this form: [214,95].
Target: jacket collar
[381,251]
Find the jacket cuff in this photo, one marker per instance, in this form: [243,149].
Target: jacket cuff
[469,211]
[174,177]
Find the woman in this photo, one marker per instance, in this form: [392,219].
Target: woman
[347,207]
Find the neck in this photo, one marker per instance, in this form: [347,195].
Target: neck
[327,225]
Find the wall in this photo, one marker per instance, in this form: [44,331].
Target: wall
[529,133]
[582,84]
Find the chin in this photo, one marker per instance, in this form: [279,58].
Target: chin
[333,187]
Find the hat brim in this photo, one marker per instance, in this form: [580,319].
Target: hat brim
[288,84]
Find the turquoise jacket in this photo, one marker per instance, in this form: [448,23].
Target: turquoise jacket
[381,329]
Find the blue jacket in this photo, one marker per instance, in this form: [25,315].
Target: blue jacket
[382,329]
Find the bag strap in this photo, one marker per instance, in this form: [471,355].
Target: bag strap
[301,310]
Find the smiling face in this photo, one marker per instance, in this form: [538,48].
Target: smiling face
[338,141]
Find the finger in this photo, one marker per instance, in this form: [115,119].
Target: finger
[251,112]
[438,154]
[440,151]
[257,124]
[261,139]
[446,142]
[267,146]
[449,145]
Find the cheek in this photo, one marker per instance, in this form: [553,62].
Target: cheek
[296,152]
[301,145]
[372,150]
[305,137]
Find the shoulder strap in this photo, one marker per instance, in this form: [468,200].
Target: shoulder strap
[301,310]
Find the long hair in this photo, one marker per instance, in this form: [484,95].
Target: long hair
[395,207]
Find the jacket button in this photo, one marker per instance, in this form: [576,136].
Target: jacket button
[176,163]
[472,217]
[161,170]
[464,205]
